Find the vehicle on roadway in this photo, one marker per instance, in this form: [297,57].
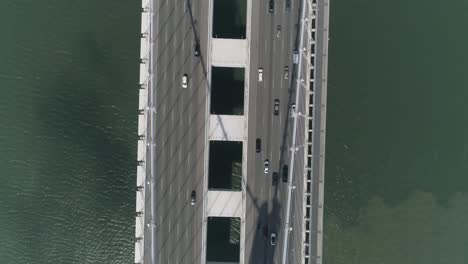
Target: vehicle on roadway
[260,74]
[276,107]
[266,166]
[278,31]
[286,72]
[293,109]
[185,81]
[285,173]
[197,50]
[288,5]
[275,177]
[271,6]
[258,145]
[273,238]
[295,56]
[193,197]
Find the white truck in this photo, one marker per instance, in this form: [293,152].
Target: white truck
[295,56]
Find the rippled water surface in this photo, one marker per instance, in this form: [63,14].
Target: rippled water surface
[68,101]
[397,133]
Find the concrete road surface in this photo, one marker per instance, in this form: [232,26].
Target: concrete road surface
[180,129]
[266,202]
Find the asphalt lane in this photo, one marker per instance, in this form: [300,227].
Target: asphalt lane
[180,119]
[265,202]
[180,129]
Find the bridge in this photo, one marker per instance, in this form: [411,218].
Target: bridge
[255,72]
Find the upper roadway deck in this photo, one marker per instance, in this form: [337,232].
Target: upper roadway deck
[176,124]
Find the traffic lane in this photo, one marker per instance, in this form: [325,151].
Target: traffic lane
[175,38]
[271,44]
[281,145]
[275,78]
[172,137]
[252,205]
[196,90]
[262,183]
[185,240]
[264,107]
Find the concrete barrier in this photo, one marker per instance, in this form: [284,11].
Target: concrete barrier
[142,132]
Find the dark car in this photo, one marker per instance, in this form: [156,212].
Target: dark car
[197,50]
[271,6]
[285,173]
[275,179]
[288,5]
[258,145]
[276,107]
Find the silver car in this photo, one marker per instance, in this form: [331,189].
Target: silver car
[185,81]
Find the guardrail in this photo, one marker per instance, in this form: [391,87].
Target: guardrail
[143,135]
[311,235]
[314,180]
[308,181]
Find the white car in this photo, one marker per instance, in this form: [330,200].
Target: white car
[295,56]
[185,81]
[273,238]
[293,109]
[260,74]
[267,164]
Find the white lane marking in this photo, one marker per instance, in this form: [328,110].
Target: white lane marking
[177,229]
[172,148]
[184,25]
[161,183]
[169,222]
[174,39]
[273,59]
[271,152]
[180,157]
[173,77]
[165,35]
[163,110]
[170,189]
[189,115]
[188,159]
[280,119]
[172,116]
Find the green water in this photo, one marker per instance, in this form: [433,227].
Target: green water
[397,133]
[68,110]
